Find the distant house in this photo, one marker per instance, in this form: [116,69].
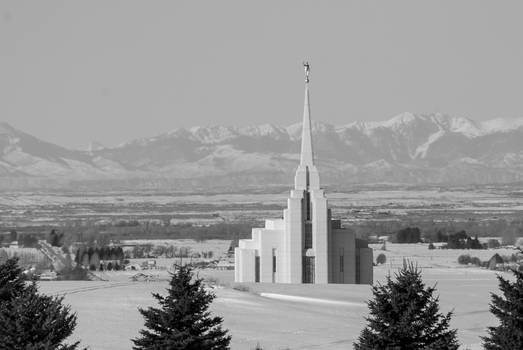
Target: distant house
[225,265]
[494,261]
[148,265]
[48,276]
[142,277]
[103,222]
[152,222]
[133,267]
[373,239]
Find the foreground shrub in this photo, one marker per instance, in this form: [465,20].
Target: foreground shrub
[182,321]
[464,259]
[408,235]
[404,314]
[381,259]
[29,320]
[475,261]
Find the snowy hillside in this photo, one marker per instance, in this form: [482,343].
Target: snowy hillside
[408,148]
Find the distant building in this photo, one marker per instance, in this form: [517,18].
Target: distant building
[494,261]
[48,276]
[225,265]
[307,245]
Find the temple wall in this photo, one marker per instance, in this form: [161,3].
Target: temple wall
[293,244]
[271,240]
[343,244]
[245,263]
[320,237]
[366,266]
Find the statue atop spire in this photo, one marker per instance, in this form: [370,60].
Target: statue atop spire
[307,67]
[306,158]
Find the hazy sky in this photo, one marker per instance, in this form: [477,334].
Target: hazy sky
[75,71]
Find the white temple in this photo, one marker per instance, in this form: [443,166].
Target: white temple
[306,246]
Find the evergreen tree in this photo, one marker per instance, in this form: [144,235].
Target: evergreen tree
[78,255]
[13,235]
[3,256]
[11,280]
[508,308]
[182,321]
[94,259]
[85,259]
[120,253]
[405,315]
[104,253]
[29,320]
[381,259]
[68,262]
[54,238]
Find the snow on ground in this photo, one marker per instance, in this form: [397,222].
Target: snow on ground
[280,316]
[108,316]
[294,298]
[275,316]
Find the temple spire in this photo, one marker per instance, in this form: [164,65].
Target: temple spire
[307,177]
[307,156]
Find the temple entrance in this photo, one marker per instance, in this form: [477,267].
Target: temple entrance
[257,269]
[308,269]
[273,265]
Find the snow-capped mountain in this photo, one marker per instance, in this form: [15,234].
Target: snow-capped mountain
[408,148]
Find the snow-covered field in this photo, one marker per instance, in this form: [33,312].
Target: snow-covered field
[436,258]
[284,316]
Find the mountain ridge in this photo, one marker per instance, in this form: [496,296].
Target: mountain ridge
[408,148]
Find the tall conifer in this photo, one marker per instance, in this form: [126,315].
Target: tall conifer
[29,320]
[404,315]
[508,308]
[182,321]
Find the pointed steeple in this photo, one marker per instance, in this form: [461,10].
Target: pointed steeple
[307,155]
[306,175]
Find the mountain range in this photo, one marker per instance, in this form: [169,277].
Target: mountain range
[407,149]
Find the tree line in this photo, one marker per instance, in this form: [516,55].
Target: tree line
[168,251]
[509,229]
[100,258]
[454,240]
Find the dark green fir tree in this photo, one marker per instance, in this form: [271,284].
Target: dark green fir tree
[11,280]
[182,320]
[404,315]
[508,308]
[29,320]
